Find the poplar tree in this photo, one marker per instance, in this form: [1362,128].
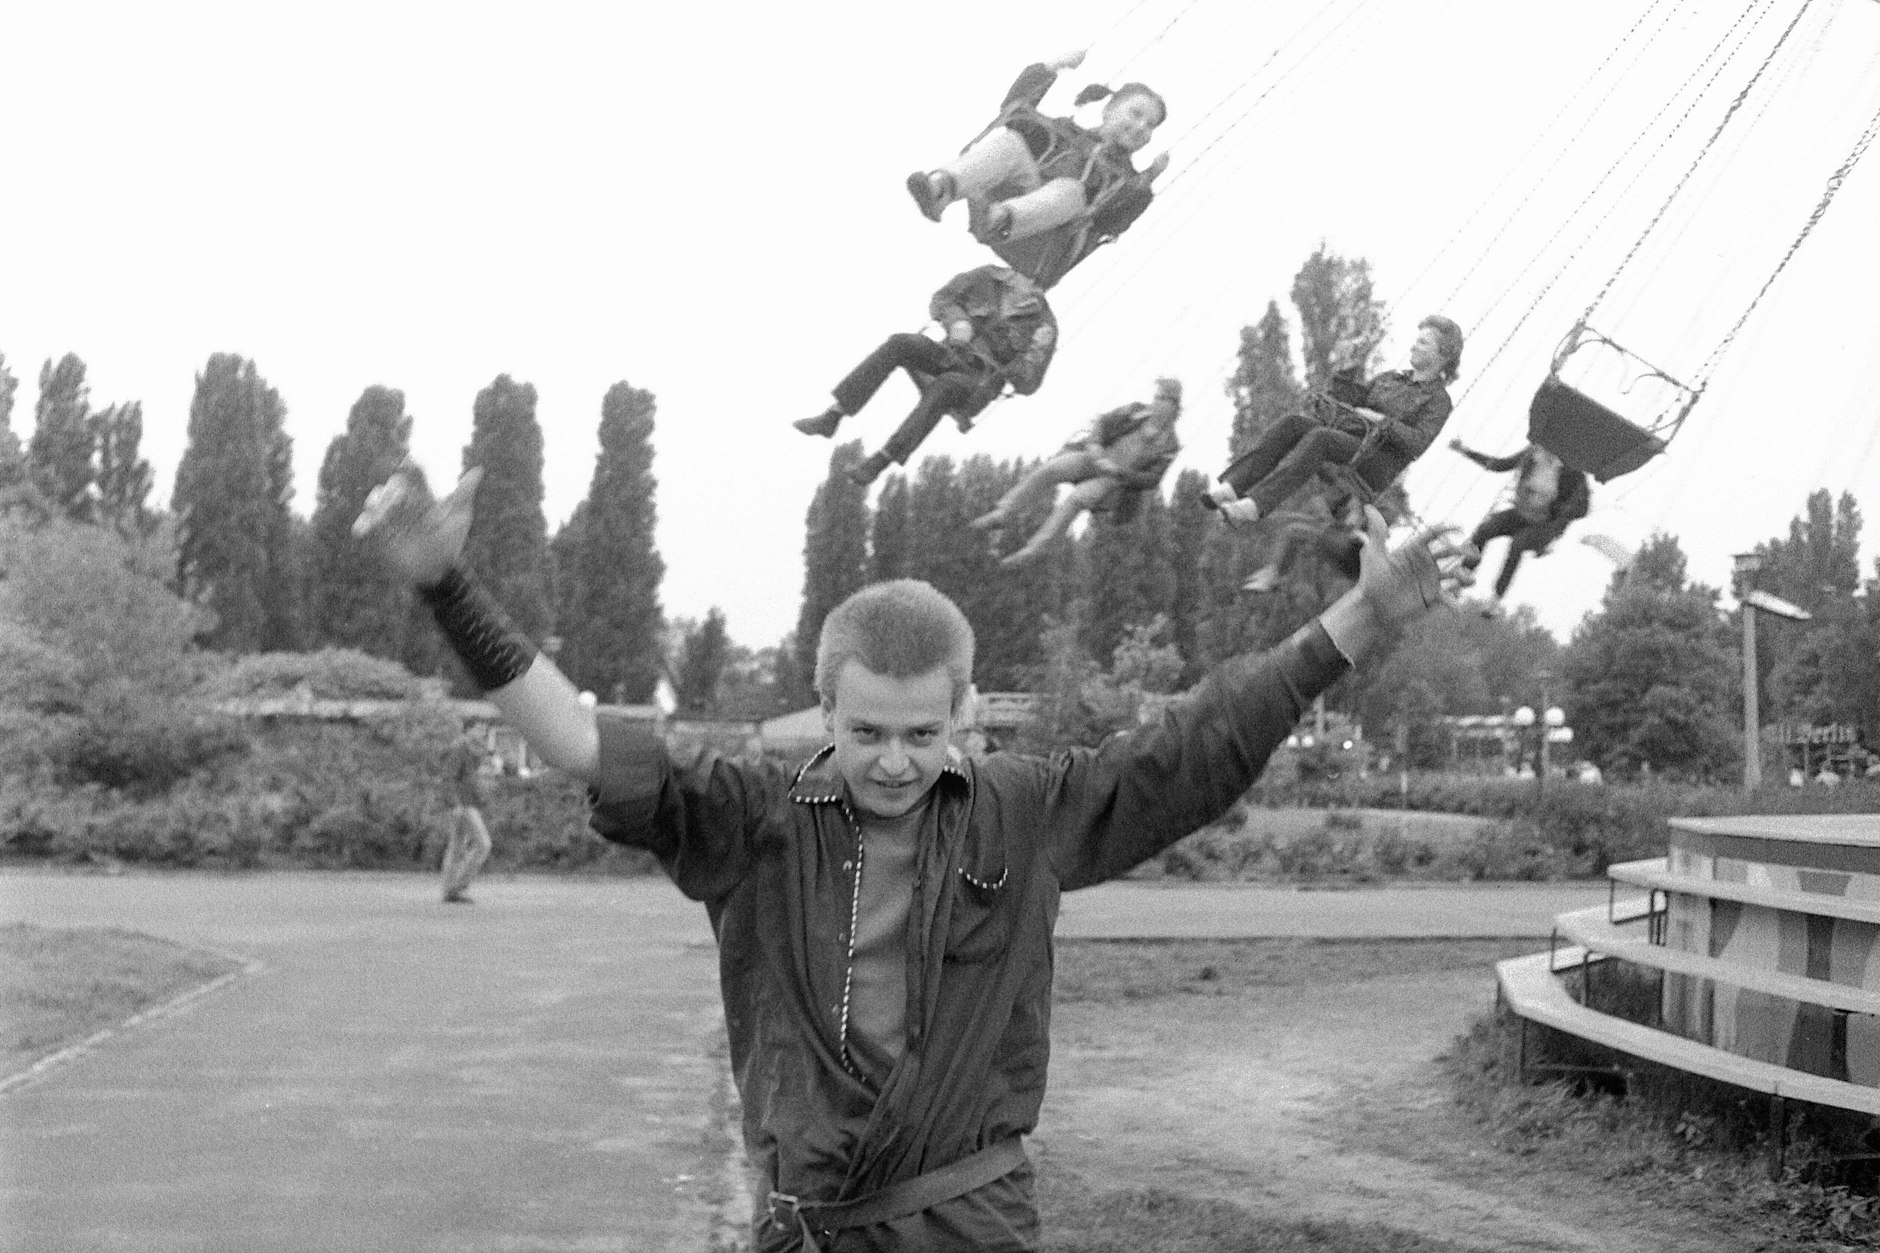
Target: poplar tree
[1131,576]
[1264,387]
[357,601]
[564,553]
[888,535]
[614,643]
[835,555]
[1340,317]
[1007,607]
[1190,524]
[235,531]
[60,455]
[12,456]
[123,476]
[702,660]
[508,541]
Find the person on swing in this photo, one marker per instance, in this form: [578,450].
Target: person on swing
[1549,496]
[1403,409]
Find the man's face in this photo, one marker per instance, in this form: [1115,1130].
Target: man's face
[891,736]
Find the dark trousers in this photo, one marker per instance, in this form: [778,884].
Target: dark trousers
[1292,451]
[946,389]
[1521,541]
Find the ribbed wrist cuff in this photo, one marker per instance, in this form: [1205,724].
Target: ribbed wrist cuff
[477,630]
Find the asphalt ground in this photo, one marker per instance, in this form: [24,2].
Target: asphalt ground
[542,1070]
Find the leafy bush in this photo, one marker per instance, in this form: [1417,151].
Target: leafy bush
[330,674]
[137,745]
[102,601]
[313,794]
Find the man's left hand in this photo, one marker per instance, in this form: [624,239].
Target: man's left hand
[1404,580]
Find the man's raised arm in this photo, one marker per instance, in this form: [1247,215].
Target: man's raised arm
[423,540]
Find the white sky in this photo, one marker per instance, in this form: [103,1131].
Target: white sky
[706,200]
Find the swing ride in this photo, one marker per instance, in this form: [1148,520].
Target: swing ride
[1602,408]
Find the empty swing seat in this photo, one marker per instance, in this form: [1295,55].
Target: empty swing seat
[1586,434]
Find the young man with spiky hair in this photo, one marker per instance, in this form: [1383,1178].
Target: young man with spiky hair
[884,913]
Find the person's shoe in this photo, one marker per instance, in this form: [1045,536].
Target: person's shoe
[932,192]
[1216,494]
[823,424]
[870,469]
[964,422]
[1265,579]
[1239,512]
[456,898]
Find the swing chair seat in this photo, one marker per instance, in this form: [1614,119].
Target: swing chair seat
[1586,434]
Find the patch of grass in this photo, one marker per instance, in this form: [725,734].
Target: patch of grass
[1110,971]
[1156,1220]
[59,986]
[1678,1139]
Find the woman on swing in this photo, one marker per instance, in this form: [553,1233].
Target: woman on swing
[1404,409]
[1030,173]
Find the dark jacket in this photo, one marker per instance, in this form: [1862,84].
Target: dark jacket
[1014,330]
[1115,191]
[1572,498]
[1062,148]
[1414,413]
[772,858]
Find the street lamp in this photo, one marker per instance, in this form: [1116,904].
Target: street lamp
[1524,718]
[1745,566]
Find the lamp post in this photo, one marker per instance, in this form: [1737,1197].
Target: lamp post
[1524,718]
[1745,566]
[1551,718]
[1750,600]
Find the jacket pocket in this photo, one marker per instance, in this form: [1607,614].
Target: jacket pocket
[979,928]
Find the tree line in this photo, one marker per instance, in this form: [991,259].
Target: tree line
[1152,601]
[270,580]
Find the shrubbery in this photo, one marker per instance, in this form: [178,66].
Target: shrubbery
[1572,831]
[329,674]
[314,794]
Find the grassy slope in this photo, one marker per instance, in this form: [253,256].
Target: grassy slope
[59,986]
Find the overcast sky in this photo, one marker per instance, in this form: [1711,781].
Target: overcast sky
[706,201]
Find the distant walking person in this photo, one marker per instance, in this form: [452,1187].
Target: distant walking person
[469,845]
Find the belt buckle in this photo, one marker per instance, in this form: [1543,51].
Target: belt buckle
[787,1211]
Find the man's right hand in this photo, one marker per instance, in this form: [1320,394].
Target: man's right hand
[421,537]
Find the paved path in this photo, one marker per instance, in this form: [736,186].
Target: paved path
[541,1071]
[532,1072]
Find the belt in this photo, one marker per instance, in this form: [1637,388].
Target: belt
[897,1200]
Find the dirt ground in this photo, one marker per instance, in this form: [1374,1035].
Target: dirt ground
[1298,1081]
